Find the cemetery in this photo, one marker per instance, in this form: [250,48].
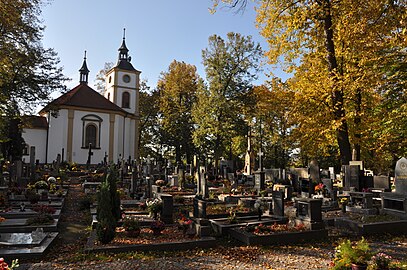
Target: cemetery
[132,211]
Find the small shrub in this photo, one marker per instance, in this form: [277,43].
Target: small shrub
[131,224]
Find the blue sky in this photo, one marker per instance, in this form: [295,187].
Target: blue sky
[157,32]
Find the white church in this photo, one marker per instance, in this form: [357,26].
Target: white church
[82,119]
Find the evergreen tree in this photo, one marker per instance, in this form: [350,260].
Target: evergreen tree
[111,179]
[106,226]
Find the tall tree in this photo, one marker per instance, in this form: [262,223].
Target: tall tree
[335,49]
[149,120]
[28,72]
[231,66]
[178,87]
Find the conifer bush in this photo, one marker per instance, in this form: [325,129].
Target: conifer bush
[106,226]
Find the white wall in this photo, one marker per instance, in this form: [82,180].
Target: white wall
[37,138]
[79,154]
[57,137]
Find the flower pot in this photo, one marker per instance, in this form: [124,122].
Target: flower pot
[133,233]
[359,266]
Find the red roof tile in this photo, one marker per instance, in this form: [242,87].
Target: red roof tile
[85,97]
[34,121]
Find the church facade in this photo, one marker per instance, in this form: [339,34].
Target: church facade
[82,123]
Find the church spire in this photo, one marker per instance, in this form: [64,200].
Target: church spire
[123,49]
[84,72]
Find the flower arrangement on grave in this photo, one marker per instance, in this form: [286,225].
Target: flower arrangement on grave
[260,206]
[154,207]
[232,217]
[41,184]
[131,226]
[52,188]
[5,266]
[2,219]
[157,226]
[184,223]
[320,188]
[44,209]
[380,261]
[350,254]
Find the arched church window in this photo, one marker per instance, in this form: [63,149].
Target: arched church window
[125,100]
[90,135]
[91,127]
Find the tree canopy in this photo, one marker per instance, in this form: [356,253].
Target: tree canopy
[28,71]
[231,66]
[344,57]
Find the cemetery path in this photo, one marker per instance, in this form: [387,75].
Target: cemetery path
[72,225]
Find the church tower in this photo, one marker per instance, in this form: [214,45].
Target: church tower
[122,89]
[123,82]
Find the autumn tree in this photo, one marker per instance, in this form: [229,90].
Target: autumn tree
[149,119]
[28,72]
[336,50]
[231,66]
[100,80]
[178,87]
[272,114]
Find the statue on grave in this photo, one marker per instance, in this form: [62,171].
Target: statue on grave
[249,157]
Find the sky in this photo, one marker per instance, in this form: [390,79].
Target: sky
[157,32]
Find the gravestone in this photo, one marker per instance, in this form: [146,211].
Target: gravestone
[309,213]
[328,185]
[357,163]
[204,184]
[168,208]
[150,182]
[331,173]
[354,176]
[381,181]
[199,208]
[351,174]
[259,180]
[314,171]
[400,176]
[395,203]
[32,163]
[173,179]
[278,203]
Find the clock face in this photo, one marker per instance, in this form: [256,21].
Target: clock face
[126,78]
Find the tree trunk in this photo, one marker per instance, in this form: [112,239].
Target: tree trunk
[357,122]
[178,153]
[342,134]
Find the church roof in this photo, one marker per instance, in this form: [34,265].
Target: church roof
[85,97]
[34,121]
[124,64]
